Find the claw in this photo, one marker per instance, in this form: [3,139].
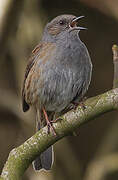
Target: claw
[55,120]
[81,103]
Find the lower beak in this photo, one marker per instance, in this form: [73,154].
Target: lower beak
[74,23]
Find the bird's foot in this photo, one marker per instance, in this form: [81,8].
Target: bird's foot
[82,104]
[74,105]
[51,128]
[55,120]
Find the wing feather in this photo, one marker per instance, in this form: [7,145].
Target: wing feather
[30,64]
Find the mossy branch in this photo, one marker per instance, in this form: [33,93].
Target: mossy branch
[21,157]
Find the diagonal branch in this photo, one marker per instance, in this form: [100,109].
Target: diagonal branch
[20,158]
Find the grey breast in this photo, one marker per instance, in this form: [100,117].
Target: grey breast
[66,76]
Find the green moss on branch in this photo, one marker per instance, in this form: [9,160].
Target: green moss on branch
[21,157]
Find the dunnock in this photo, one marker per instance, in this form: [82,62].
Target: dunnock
[58,73]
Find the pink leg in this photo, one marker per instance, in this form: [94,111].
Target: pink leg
[49,125]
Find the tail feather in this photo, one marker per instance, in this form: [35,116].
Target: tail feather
[45,160]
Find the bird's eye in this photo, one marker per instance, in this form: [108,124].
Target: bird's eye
[61,22]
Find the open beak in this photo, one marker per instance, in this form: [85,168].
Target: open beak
[74,24]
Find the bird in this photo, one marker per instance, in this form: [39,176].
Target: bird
[58,73]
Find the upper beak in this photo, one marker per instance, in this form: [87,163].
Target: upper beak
[74,23]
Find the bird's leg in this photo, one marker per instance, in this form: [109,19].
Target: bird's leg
[49,124]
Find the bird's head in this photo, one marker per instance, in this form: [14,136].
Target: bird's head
[63,24]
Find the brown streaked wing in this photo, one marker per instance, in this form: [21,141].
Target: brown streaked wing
[28,68]
[39,51]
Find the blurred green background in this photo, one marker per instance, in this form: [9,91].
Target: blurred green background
[93,154]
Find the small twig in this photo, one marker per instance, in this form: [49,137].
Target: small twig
[115,61]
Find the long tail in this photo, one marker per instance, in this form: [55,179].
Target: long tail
[45,160]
